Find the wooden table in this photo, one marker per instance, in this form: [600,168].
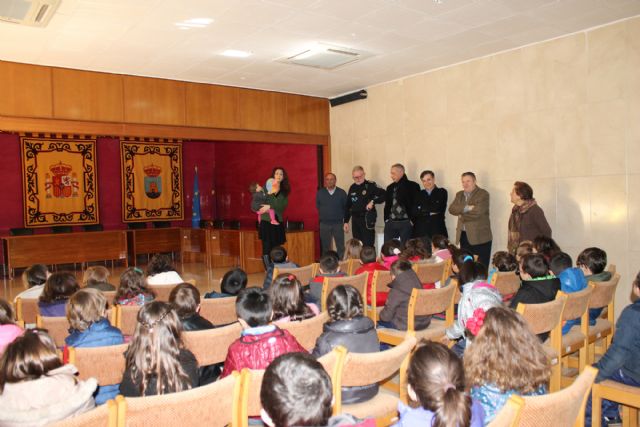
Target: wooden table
[67,248]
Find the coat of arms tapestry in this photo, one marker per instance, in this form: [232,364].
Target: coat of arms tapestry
[59,181]
[151,181]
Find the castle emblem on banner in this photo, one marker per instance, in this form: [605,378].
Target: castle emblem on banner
[64,182]
[152,181]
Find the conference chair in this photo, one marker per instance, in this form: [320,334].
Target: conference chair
[219,311]
[57,327]
[210,346]
[379,283]
[602,332]
[105,364]
[102,416]
[358,281]
[126,318]
[577,307]
[543,318]
[509,415]
[626,395]
[347,266]
[307,331]
[27,310]
[507,283]
[162,292]
[564,408]
[303,274]
[215,405]
[432,273]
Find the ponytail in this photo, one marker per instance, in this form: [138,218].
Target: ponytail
[454,409]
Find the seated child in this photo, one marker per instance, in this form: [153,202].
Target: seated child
[33,280]
[280,259]
[36,388]
[538,285]
[436,383]
[329,267]
[369,264]
[592,262]
[156,361]
[349,328]
[394,313]
[476,294]
[260,197]
[87,315]
[571,280]
[9,331]
[260,341]
[505,359]
[352,249]
[546,246]
[232,283]
[440,247]
[502,261]
[57,291]
[132,289]
[390,252]
[621,362]
[415,251]
[160,271]
[287,300]
[97,277]
[296,391]
[524,248]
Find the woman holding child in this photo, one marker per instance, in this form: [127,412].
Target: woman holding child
[273,234]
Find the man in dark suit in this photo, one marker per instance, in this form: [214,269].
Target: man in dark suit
[399,199]
[429,207]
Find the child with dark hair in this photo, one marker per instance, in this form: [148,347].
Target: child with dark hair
[351,329]
[370,265]
[538,286]
[394,313]
[390,252]
[524,248]
[259,197]
[185,299]
[502,261]
[33,279]
[87,316]
[36,388]
[415,250]
[329,267]
[9,331]
[546,246]
[592,262]
[231,284]
[280,259]
[296,391]
[287,300]
[132,289]
[161,271]
[571,280]
[436,383]
[57,291]
[97,277]
[260,341]
[621,362]
[441,248]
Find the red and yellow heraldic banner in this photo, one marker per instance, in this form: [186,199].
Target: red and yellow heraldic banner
[151,181]
[59,181]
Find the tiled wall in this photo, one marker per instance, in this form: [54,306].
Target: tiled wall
[562,115]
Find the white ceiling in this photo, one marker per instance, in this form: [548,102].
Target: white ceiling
[140,37]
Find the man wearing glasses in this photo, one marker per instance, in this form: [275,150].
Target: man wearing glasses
[362,197]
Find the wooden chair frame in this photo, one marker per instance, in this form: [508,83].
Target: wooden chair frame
[507,282]
[427,272]
[100,416]
[358,281]
[376,283]
[26,308]
[625,395]
[582,346]
[304,273]
[604,337]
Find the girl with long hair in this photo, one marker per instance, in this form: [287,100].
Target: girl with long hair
[287,299]
[56,293]
[132,289]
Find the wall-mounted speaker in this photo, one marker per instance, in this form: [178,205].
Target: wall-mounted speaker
[350,97]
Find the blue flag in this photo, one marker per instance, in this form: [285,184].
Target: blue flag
[195,207]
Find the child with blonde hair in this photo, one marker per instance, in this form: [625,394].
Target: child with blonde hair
[352,249]
[97,277]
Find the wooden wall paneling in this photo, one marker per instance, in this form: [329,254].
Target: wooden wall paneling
[262,110]
[86,95]
[212,106]
[308,115]
[26,90]
[157,101]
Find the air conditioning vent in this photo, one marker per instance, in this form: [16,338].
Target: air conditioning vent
[36,13]
[326,57]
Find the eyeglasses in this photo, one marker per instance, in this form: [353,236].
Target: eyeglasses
[358,177]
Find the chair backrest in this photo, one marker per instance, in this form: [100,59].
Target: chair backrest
[604,292]
[380,281]
[251,387]
[307,331]
[161,291]
[509,415]
[219,311]
[127,318]
[543,317]
[215,404]
[106,364]
[431,273]
[564,408]
[304,274]
[346,266]
[109,295]
[611,268]
[210,346]
[58,328]
[358,281]
[102,416]
[424,302]
[27,309]
[577,303]
[507,282]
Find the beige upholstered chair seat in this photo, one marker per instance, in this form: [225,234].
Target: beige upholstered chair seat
[572,340]
[552,354]
[383,403]
[602,327]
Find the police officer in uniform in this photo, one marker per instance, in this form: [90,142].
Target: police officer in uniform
[361,198]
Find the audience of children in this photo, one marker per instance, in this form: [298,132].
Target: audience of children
[57,291]
[415,251]
[592,262]
[87,316]
[440,247]
[156,360]
[36,389]
[33,279]
[502,261]
[260,341]
[370,265]
[185,299]
[437,386]
[161,271]
[351,329]
[505,358]
[132,289]
[231,284]
[390,252]
[546,246]
[280,259]
[329,266]
[259,197]
[97,277]
[287,300]
[9,331]
[394,313]
[352,249]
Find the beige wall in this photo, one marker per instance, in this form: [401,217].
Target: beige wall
[562,115]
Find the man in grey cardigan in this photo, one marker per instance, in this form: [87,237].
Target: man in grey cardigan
[331,202]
